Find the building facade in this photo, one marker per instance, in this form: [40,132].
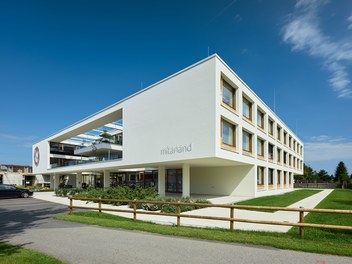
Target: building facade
[18,175]
[199,131]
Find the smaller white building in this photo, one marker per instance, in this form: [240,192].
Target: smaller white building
[21,176]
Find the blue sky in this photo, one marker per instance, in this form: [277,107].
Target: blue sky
[63,60]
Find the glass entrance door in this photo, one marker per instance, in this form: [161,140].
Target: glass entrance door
[174,180]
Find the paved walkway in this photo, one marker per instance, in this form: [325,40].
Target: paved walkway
[28,222]
[309,202]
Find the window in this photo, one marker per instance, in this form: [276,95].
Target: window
[271,127]
[260,177]
[289,160]
[246,141]
[270,176]
[228,94]
[271,151]
[278,155]
[278,177]
[294,145]
[285,157]
[290,141]
[247,108]
[260,119]
[228,131]
[278,133]
[285,137]
[260,147]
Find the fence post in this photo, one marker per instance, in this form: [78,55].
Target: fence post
[70,207]
[232,213]
[134,210]
[100,206]
[178,215]
[301,220]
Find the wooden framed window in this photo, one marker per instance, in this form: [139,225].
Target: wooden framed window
[260,119]
[260,147]
[271,127]
[278,155]
[260,177]
[247,141]
[270,177]
[228,134]
[247,108]
[285,157]
[228,95]
[290,141]
[271,151]
[278,136]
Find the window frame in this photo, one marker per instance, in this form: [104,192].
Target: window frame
[262,114]
[250,151]
[234,92]
[234,129]
[262,143]
[250,106]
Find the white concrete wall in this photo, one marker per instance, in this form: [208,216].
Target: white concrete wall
[238,180]
[177,112]
[12,178]
[44,159]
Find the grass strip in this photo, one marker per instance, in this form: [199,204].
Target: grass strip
[338,199]
[278,240]
[14,255]
[281,200]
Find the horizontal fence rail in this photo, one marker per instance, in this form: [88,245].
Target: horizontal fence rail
[232,219]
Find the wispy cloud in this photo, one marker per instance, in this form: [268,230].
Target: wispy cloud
[324,148]
[24,141]
[304,33]
[349,21]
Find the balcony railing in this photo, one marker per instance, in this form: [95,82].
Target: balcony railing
[100,158]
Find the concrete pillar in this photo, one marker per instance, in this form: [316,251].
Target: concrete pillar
[51,181]
[266,176]
[161,180]
[186,180]
[71,180]
[106,179]
[79,180]
[56,181]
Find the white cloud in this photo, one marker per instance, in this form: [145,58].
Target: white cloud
[324,148]
[349,21]
[17,138]
[303,32]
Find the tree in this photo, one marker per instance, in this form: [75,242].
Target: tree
[309,174]
[324,176]
[341,174]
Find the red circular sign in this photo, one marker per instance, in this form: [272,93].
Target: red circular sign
[36,156]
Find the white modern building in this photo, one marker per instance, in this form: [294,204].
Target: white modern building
[201,130]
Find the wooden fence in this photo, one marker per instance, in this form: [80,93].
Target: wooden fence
[301,224]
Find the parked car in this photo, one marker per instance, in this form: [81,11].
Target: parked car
[10,191]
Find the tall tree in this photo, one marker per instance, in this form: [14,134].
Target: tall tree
[341,174]
[309,173]
[324,176]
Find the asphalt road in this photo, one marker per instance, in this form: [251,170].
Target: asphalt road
[28,222]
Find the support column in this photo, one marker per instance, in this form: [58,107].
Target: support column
[79,180]
[52,184]
[266,176]
[56,181]
[161,181]
[106,179]
[186,181]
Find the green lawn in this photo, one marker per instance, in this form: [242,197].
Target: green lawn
[338,199]
[282,200]
[16,255]
[339,243]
